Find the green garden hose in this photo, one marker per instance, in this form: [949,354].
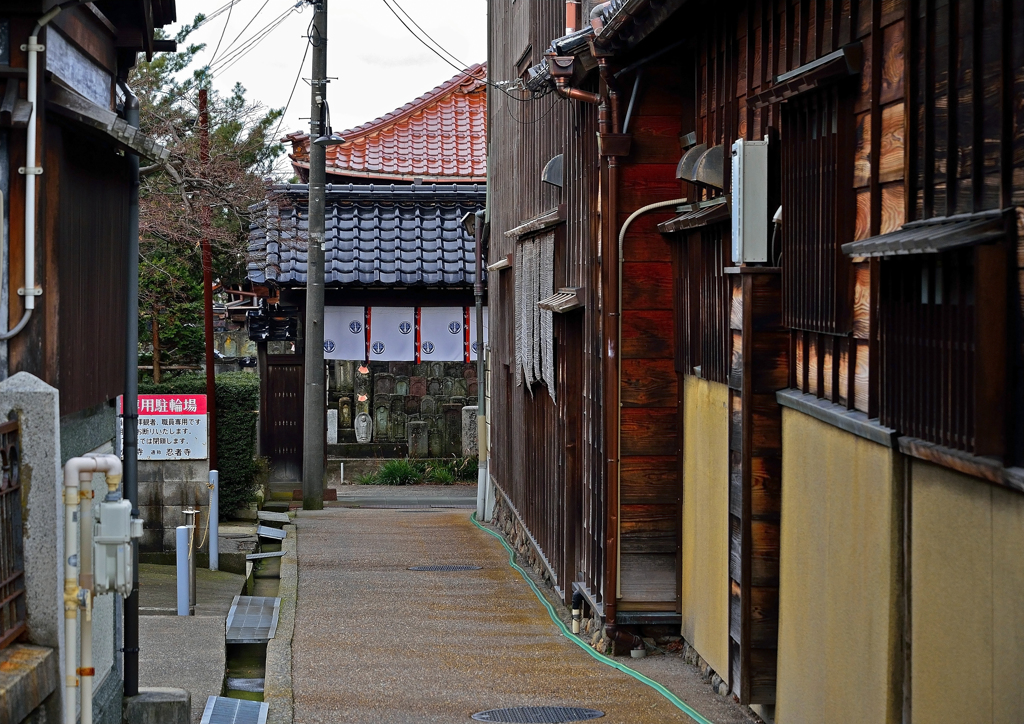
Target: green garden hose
[672,698]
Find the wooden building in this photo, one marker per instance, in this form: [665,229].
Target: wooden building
[776,394]
[64,217]
[400,269]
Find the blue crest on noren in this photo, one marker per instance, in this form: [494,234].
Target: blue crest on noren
[454,327]
[378,348]
[328,345]
[356,327]
[405,328]
[427,348]
[476,347]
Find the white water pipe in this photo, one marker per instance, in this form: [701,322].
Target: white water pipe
[78,574]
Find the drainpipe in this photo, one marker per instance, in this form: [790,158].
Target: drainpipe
[130,604]
[78,572]
[29,292]
[563,89]
[76,470]
[607,122]
[481,411]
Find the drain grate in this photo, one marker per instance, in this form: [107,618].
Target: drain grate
[222,710]
[446,569]
[252,619]
[538,714]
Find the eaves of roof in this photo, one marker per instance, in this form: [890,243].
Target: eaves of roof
[625,23]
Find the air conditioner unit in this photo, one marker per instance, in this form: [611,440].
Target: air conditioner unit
[750,201]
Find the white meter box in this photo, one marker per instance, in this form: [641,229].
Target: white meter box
[171,427]
[749,201]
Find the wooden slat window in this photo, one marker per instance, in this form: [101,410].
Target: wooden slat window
[703,331]
[12,568]
[817,209]
[942,329]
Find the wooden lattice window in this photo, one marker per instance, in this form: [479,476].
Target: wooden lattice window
[702,332]
[818,209]
[943,331]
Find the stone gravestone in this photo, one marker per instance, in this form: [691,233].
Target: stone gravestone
[332,427]
[364,427]
[418,439]
[470,445]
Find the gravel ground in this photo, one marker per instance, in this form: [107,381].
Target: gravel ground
[375,642]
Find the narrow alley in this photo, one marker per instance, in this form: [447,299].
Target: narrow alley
[377,642]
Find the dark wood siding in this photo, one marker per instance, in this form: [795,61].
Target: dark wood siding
[87,190]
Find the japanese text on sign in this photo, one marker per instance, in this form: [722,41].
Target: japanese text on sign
[171,427]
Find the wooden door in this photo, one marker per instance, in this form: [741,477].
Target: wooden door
[282,418]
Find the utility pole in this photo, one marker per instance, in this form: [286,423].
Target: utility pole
[314,398]
[204,215]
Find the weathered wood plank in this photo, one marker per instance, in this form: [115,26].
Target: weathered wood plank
[649,578]
[646,285]
[861,300]
[862,224]
[649,383]
[764,553]
[765,486]
[648,431]
[862,152]
[770,366]
[647,334]
[892,64]
[648,528]
[649,480]
[893,207]
[890,165]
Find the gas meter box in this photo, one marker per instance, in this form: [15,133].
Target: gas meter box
[112,552]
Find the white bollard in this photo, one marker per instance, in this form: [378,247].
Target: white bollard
[181,534]
[214,520]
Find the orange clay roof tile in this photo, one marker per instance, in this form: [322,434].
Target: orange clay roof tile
[440,136]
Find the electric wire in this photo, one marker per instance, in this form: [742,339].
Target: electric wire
[252,42]
[427,35]
[231,45]
[295,85]
[461,70]
[215,13]
[222,31]
[672,698]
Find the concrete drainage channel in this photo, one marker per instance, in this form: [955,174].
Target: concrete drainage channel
[257,683]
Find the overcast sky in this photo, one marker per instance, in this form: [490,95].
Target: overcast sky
[379,66]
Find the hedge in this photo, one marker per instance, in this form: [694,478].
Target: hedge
[238,401]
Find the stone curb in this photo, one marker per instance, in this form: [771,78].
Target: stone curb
[277,687]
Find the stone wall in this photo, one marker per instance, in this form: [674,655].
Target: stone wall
[166,487]
[397,393]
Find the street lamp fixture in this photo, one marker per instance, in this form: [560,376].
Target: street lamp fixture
[330,138]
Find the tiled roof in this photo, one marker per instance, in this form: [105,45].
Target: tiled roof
[441,136]
[376,235]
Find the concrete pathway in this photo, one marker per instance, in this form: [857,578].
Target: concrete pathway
[184,652]
[376,642]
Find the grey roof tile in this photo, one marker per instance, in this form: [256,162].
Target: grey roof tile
[375,235]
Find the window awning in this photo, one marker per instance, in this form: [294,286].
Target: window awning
[931,236]
[538,223]
[81,110]
[706,213]
[842,63]
[565,299]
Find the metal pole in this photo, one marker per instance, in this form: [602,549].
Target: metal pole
[481,410]
[181,536]
[314,393]
[191,545]
[214,520]
[131,404]
[204,212]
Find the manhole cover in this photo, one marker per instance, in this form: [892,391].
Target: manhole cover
[447,569]
[538,714]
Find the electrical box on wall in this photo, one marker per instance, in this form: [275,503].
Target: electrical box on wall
[113,532]
[750,201]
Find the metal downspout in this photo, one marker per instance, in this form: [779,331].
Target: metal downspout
[131,402]
[481,411]
[607,113]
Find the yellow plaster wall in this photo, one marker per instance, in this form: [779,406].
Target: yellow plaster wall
[705,554]
[839,591]
[967,599]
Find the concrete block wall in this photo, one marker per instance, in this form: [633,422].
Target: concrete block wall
[397,393]
[166,487]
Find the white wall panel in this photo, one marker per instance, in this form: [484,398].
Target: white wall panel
[442,337]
